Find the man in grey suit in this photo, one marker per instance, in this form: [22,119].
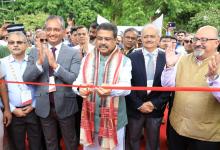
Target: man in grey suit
[55,63]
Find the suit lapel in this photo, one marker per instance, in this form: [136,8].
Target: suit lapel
[159,66]
[61,55]
[141,65]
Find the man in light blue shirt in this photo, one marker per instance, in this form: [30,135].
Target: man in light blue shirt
[21,101]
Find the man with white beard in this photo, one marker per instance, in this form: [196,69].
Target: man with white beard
[194,116]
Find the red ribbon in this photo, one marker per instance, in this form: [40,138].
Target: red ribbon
[138,88]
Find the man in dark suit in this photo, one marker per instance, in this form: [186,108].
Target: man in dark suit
[146,108]
[55,63]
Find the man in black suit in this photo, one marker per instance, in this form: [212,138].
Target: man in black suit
[146,108]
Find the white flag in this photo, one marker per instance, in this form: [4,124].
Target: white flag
[159,23]
[101,19]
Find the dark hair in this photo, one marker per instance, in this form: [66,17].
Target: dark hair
[37,27]
[71,16]
[81,26]
[73,29]
[52,17]
[181,31]
[168,37]
[108,27]
[94,25]
[131,29]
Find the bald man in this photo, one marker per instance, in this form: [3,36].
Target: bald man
[194,118]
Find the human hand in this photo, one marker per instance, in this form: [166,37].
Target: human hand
[147,107]
[51,59]
[213,66]
[7,117]
[171,57]
[102,91]
[41,53]
[18,112]
[27,109]
[85,91]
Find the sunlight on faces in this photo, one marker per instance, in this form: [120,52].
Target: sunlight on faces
[205,42]
[41,36]
[150,38]
[180,36]
[74,38]
[119,39]
[54,32]
[82,35]
[188,43]
[164,42]
[17,44]
[92,33]
[105,42]
[130,39]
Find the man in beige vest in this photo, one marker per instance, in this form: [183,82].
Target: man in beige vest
[194,118]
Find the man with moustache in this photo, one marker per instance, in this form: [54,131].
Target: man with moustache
[104,110]
[129,40]
[55,63]
[92,33]
[145,108]
[21,96]
[194,116]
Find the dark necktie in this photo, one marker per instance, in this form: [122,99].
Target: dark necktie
[51,71]
[50,68]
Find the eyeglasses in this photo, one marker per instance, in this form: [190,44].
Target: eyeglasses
[202,40]
[17,42]
[53,29]
[43,40]
[188,41]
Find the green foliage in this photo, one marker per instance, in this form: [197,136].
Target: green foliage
[33,20]
[187,14]
[205,17]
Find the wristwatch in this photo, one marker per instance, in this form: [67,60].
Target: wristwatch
[215,77]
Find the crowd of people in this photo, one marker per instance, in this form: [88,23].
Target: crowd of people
[95,61]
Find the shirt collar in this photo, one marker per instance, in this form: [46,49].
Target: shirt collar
[58,47]
[11,58]
[146,52]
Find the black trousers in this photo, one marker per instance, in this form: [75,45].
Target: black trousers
[134,131]
[78,116]
[178,142]
[67,127]
[22,126]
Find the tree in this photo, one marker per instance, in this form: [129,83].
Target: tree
[205,17]
[126,12]
[31,21]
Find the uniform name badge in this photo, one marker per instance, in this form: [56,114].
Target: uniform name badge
[52,88]
[26,97]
